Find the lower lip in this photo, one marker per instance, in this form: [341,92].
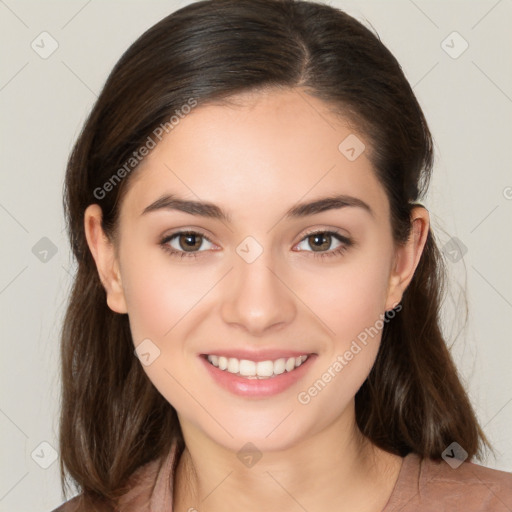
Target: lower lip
[257,388]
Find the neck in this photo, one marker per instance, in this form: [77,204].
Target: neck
[335,466]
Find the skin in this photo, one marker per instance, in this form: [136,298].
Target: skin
[256,159]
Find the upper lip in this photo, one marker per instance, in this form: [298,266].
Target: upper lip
[260,355]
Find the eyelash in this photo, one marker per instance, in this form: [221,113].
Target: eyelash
[333,252]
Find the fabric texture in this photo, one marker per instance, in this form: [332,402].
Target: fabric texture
[423,485]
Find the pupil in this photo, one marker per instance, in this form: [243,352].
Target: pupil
[318,237]
[189,244]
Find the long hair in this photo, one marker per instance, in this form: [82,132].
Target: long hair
[113,419]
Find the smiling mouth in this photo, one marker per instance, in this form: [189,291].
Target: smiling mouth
[256,370]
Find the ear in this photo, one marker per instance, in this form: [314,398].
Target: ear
[407,256]
[104,254]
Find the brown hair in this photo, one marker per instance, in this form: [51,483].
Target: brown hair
[113,419]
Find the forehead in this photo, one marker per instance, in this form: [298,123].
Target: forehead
[261,152]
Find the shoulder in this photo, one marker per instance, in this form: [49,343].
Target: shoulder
[69,506]
[136,497]
[426,484]
[78,504]
[139,494]
[475,484]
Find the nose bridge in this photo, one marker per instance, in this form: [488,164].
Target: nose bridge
[257,299]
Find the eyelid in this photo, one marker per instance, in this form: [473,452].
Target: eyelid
[187,229]
[165,239]
[331,230]
[311,231]
[345,241]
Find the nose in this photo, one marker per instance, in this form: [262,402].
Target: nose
[257,297]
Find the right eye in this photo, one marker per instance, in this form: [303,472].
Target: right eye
[184,243]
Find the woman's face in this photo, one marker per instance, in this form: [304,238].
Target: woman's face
[256,285]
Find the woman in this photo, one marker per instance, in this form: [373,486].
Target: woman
[254,322]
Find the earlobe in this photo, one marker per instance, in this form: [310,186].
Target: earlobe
[104,254]
[407,256]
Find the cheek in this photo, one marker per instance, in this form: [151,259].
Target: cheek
[350,298]
[162,298]
[159,293]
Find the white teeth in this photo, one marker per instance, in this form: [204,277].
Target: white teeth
[247,368]
[279,366]
[290,364]
[264,369]
[233,365]
[256,370]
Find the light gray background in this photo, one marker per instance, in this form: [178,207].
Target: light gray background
[467,102]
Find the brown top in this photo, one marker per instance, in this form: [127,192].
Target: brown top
[423,485]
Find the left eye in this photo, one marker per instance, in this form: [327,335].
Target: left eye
[321,241]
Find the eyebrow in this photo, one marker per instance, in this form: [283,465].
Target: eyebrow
[210,210]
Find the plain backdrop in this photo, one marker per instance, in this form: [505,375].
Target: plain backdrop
[463,81]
